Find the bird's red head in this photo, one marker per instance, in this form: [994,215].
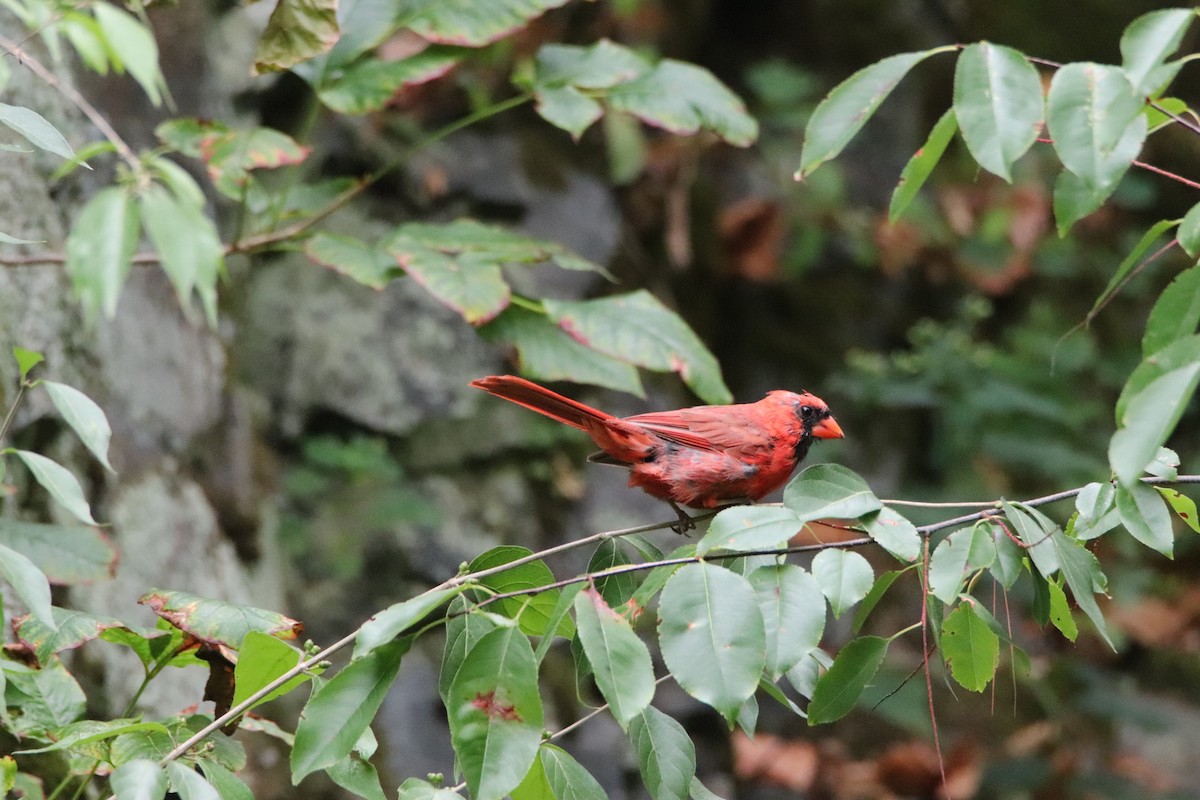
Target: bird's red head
[815,419]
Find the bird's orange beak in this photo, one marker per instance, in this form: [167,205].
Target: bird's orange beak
[828,429]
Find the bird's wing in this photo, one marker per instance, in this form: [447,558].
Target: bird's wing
[727,429]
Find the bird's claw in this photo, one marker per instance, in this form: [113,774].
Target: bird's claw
[686,523]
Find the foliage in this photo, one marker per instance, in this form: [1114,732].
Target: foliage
[733,619]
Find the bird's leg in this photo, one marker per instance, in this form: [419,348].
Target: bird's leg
[686,523]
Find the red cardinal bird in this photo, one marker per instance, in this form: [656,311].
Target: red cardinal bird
[706,456]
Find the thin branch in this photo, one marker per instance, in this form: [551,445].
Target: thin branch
[78,100]
[1166,173]
[1182,120]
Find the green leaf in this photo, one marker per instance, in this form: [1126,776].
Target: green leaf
[847,108]
[463,632]
[77,735]
[1181,353]
[640,330]
[1189,231]
[386,625]
[188,244]
[532,612]
[845,577]
[1176,314]
[139,779]
[793,610]
[1130,261]
[742,528]
[620,660]
[1096,505]
[568,108]
[1010,559]
[920,166]
[228,785]
[970,648]
[334,719]
[59,482]
[567,777]
[711,635]
[358,776]
[960,554]
[547,352]
[1060,612]
[838,690]
[417,789]
[1145,517]
[615,589]
[602,65]
[1148,42]
[297,30]
[1184,506]
[460,21]
[262,659]
[353,258]
[85,418]
[998,103]
[560,615]
[878,590]
[66,553]
[131,46]
[1082,574]
[825,491]
[1094,116]
[217,622]
[189,784]
[894,533]
[369,84]
[99,249]
[231,155]
[1075,198]
[666,756]
[1148,420]
[36,128]
[683,98]
[29,583]
[1034,531]
[27,360]
[496,713]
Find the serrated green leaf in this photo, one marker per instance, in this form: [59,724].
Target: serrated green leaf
[335,717]
[369,84]
[894,533]
[620,660]
[217,622]
[615,589]
[59,482]
[1145,517]
[683,98]
[85,418]
[463,632]
[460,21]
[496,713]
[296,31]
[847,108]
[1035,533]
[188,245]
[845,577]
[666,756]
[100,248]
[1094,117]
[78,734]
[640,330]
[970,648]
[36,128]
[71,629]
[1176,313]
[386,625]
[1148,42]
[711,634]
[742,528]
[1148,420]
[547,352]
[998,103]
[567,777]
[533,611]
[837,691]
[829,491]
[920,166]
[1081,571]
[793,610]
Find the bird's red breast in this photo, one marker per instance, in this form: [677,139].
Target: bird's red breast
[705,456]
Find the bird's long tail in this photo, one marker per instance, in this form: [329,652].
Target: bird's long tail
[542,400]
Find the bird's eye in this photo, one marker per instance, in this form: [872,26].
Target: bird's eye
[806,412]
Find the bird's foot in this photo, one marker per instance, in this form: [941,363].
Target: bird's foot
[686,523]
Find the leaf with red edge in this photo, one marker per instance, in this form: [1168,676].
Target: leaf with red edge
[75,628]
[353,258]
[466,22]
[296,31]
[369,84]
[187,135]
[215,622]
[230,156]
[640,330]
[683,98]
